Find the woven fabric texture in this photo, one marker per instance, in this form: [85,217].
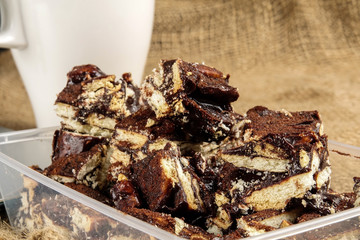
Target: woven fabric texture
[297,55]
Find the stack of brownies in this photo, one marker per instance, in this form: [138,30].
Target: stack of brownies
[174,154]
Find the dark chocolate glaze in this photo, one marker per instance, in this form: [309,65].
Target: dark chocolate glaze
[66,143]
[124,195]
[167,69]
[207,83]
[84,72]
[297,128]
[69,94]
[76,77]
[101,106]
[207,122]
[137,121]
[289,133]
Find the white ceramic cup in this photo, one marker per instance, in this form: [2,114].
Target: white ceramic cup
[49,37]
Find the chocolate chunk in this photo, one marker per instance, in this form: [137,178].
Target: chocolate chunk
[124,195]
[76,76]
[84,72]
[204,82]
[157,179]
[66,143]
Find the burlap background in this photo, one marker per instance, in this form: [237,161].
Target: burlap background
[297,55]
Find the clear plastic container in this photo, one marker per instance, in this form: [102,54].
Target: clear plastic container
[21,149]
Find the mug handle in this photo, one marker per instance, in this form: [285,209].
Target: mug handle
[11,28]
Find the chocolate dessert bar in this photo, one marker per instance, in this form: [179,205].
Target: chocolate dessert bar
[197,97]
[93,102]
[155,166]
[77,158]
[174,154]
[281,155]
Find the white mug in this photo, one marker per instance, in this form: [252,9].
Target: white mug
[49,37]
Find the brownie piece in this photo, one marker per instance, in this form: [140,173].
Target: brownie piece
[77,167]
[77,158]
[274,157]
[167,185]
[93,102]
[66,143]
[195,96]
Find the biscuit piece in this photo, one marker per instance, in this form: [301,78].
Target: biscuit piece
[128,144]
[93,102]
